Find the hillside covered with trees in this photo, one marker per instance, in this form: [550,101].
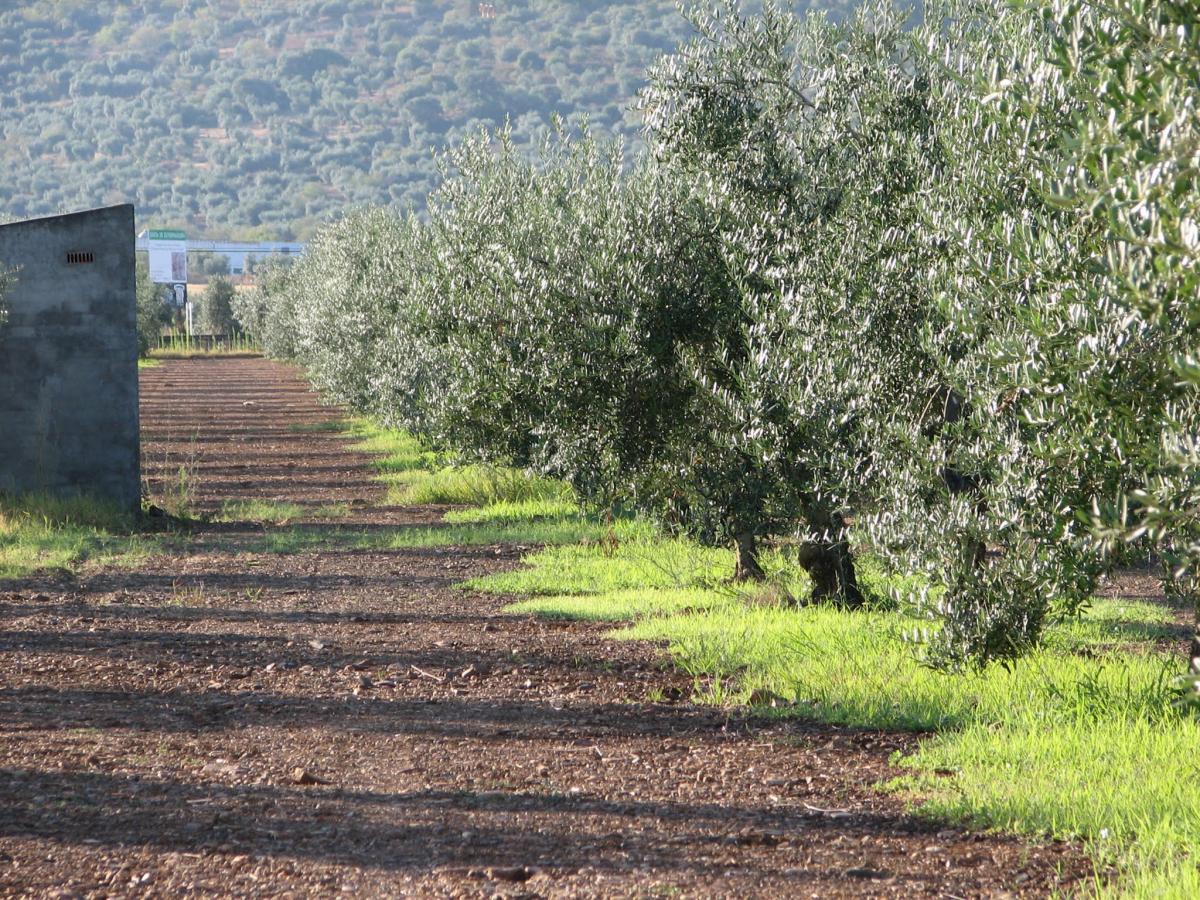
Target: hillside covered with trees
[262,119]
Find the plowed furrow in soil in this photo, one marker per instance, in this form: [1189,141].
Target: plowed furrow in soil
[227,720]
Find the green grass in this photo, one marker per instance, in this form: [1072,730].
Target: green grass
[629,555]
[334,426]
[520,533]
[415,474]
[276,512]
[519,509]
[394,451]
[38,533]
[295,539]
[514,511]
[177,345]
[475,485]
[1078,740]
[620,604]
[149,363]
[1128,786]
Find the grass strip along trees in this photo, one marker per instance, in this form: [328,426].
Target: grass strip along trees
[927,292]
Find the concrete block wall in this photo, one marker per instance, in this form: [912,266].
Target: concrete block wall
[68,358]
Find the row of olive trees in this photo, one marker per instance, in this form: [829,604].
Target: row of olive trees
[933,281]
[661,336]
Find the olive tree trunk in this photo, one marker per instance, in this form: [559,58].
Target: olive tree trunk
[829,563]
[747,567]
[1194,652]
[1185,588]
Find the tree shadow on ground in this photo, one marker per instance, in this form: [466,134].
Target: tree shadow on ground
[422,829]
[475,711]
[119,613]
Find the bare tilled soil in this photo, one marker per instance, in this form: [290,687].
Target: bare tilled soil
[228,721]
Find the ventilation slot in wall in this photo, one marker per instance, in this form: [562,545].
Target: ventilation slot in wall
[76,259]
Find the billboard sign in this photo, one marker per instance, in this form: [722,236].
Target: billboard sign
[168,256]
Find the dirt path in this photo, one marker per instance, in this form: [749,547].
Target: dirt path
[158,724]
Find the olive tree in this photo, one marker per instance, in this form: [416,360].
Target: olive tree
[557,291]
[977,494]
[1059,384]
[1131,174]
[152,310]
[808,147]
[266,311]
[216,306]
[250,307]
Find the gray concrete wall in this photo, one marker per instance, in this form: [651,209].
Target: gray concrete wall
[68,358]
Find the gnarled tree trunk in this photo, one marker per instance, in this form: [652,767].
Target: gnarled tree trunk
[954,408]
[829,563]
[747,568]
[1194,653]
[1186,587]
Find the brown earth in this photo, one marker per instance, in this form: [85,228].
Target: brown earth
[222,720]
